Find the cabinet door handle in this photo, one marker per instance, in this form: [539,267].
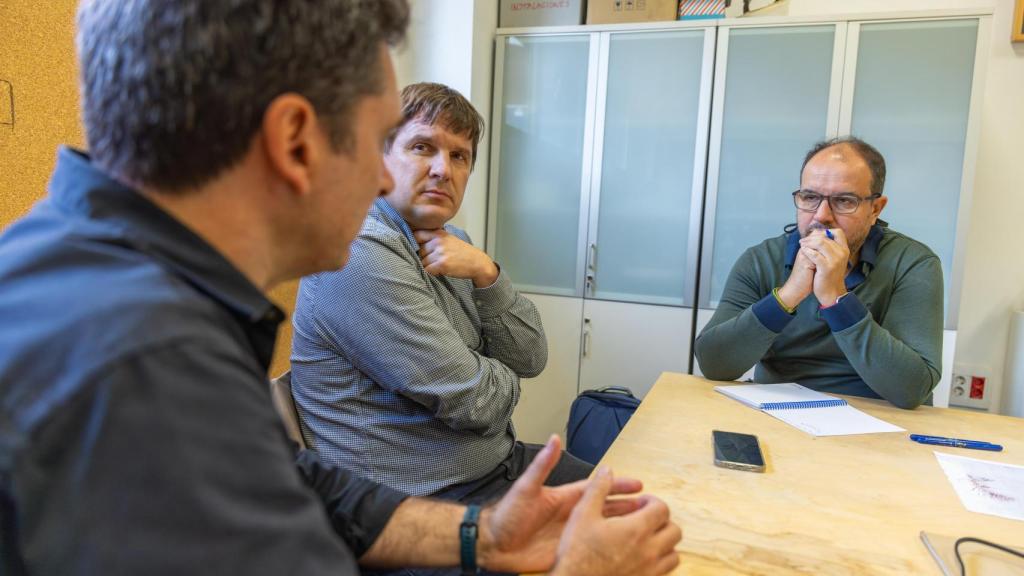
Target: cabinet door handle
[586,337]
[592,257]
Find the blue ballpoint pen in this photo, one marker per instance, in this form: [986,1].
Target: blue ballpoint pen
[956,442]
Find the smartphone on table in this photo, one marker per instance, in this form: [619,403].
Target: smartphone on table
[737,451]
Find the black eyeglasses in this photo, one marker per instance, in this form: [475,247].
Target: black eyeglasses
[839,203]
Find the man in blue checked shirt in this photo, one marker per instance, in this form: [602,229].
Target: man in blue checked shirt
[406,364]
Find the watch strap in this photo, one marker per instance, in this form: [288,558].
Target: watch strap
[468,533]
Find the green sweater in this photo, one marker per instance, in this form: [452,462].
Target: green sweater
[884,340]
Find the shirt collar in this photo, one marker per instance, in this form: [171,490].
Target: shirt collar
[79,188]
[868,252]
[385,211]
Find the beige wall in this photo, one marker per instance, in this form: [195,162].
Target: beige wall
[37,58]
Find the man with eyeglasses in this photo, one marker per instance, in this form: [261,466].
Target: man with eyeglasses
[839,303]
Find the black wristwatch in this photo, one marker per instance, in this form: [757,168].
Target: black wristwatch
[468,532]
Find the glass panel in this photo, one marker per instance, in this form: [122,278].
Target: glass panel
[542,121]
[650,132]
[775,109]
[911,100]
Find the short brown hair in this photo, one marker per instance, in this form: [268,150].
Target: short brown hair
[431,103]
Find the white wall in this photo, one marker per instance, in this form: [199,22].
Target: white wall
[452,42]
[993,284]
[994,274]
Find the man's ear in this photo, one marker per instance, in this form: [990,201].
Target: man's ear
[291,134]
[877,206]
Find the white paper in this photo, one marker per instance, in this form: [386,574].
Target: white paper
[757,395]
[984,486]
[833,421]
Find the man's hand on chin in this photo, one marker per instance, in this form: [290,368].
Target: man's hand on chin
[444,254]
[831,258]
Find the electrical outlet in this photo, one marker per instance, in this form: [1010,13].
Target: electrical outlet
[970,386]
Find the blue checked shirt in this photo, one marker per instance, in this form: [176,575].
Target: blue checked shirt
[406,378]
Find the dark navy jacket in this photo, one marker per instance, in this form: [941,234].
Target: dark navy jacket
[137,434]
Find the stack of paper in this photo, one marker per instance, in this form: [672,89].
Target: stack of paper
[811,411]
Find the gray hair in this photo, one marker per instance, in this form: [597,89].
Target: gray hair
[173,91]
[871,156]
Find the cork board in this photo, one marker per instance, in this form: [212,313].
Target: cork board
[39,75]
[38,66]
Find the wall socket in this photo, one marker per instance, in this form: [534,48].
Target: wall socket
[970,386]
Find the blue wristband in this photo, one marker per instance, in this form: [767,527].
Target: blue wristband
[468,532]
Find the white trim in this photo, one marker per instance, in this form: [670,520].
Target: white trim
[835,88]
[973,136]
[713,166]
[597,162]
[665,25]
[700,165]
[587,167]
[749,21]
[497,120]
[849,78]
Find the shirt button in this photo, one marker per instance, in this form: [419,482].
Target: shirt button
[479,303]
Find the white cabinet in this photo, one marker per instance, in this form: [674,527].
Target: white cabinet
[612,220]
[776,94]
[904,86]
[544,401]
[911,98]
[630,345]
[649,155]
[631,166]
[543,116]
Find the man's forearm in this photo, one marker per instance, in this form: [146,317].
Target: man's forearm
[425,533]
[512,328]
[895,371]
[732,346]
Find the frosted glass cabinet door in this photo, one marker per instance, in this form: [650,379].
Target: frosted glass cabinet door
[776,104]
[541,121]
[651,117]
[911,101]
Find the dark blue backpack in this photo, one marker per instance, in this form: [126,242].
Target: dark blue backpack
[595,419]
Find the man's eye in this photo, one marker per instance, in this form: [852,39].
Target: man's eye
[845,202]
[419,147]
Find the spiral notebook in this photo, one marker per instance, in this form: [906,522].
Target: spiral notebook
[808,410]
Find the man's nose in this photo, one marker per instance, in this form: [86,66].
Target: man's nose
[440,167]
[824,212]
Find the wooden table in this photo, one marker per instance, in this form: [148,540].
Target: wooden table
[828,505]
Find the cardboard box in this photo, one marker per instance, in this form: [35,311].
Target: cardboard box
[737,8]
[702,9]
[617,11]
[523,13]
